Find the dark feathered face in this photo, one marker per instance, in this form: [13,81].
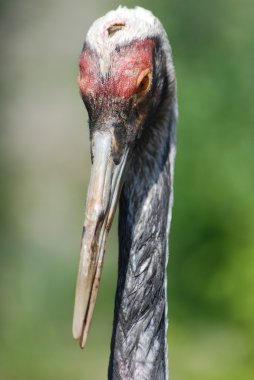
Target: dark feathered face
[121,99]
[122,92]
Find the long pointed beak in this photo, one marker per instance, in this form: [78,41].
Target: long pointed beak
[103,192]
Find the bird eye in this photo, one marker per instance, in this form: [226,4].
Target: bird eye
[144,83]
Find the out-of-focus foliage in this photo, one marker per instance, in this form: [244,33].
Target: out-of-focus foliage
[44,152]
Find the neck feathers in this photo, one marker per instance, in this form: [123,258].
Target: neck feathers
[139,344]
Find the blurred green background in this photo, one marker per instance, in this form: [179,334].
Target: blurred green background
[44,159]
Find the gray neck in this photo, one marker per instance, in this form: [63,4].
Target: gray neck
[139,344]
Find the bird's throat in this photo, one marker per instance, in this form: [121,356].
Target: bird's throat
[139,344]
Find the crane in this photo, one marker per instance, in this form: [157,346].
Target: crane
[128,84]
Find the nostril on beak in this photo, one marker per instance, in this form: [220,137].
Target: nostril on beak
[119,142]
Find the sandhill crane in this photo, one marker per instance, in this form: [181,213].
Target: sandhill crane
[128,85]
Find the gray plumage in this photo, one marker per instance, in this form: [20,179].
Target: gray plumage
[139,341]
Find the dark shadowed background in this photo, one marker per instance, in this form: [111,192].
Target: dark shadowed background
[44,160]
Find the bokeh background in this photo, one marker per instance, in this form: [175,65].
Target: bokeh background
[44,159]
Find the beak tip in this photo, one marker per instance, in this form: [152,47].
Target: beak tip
[78,333]
[75,331]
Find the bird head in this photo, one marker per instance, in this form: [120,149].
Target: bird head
[126,75]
